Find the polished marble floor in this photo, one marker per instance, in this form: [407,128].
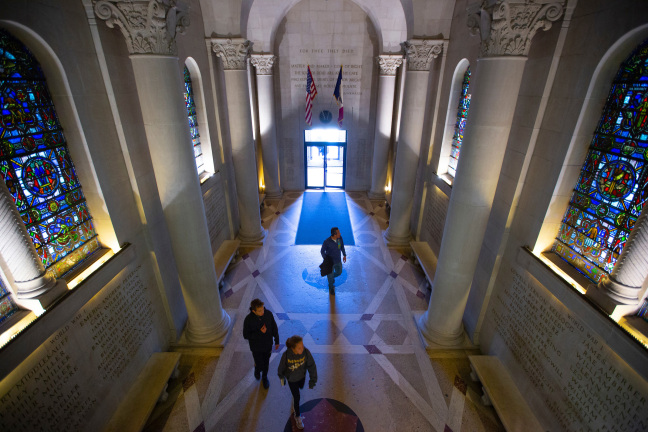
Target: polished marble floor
[372,366]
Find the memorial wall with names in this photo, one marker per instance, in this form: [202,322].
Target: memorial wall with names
[573,380]
[215,210]
[434,215]
[325,36]
[70,382]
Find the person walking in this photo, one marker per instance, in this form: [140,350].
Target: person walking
[333,248]
[259,328]
[294,363]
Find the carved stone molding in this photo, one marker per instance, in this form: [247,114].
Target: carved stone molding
[233,52]
[263,63]
[507,27]
[389,63]
[149,26]
[420,52]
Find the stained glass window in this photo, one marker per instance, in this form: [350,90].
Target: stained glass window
[193,121]
[7,306]
[36,165]
[612,188]
[460,125]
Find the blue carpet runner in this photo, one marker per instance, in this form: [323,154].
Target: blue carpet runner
[320,212]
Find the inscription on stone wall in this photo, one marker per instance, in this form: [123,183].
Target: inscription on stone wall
[326,75]
[581,380]
[436,209]
[216,212]
[62,383]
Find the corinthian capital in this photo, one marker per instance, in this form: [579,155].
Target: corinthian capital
[507,26]
[149,26]
[420,52]
[263,63]
[389,63]
[233,52]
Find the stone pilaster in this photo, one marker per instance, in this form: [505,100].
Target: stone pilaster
[419,55]
[384,115]
[263,64]
[506,28]
[234,54]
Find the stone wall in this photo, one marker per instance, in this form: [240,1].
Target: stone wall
[562,360]
[326,35]
[77,377]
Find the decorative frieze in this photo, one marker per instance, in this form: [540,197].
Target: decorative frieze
[149,26]
[263,63]
[389,63]
[421,52]
[233,52]
[507,27]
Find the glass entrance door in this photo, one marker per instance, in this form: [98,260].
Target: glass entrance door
[324,158]
[315,166]
[334,166]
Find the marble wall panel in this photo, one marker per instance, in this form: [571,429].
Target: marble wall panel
[75,380]
[570,376]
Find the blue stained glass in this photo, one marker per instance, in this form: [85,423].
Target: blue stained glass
[36,165]
[613,185]
[460,124]
[193,121]
[7,306]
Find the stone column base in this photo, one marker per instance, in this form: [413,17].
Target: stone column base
[274,194]
[612,305]
[217,334]
[40,303]
[396,241]
[433,340]
[254,240]
[376,195]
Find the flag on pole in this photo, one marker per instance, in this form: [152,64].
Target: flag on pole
[337,93]
[311,92]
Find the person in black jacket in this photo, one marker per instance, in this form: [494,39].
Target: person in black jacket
[259,328]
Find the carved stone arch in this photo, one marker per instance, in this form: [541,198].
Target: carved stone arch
[61,93]
[261,18]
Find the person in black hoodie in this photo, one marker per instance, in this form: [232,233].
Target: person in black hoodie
[259,328]
[292,367]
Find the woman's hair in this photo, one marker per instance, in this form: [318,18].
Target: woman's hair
[255,304]
[292,341]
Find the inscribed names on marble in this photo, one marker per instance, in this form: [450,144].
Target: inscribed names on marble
[63,383]
[436,209]
[581,381]
[215,212]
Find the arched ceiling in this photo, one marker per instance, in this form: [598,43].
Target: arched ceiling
[260,20]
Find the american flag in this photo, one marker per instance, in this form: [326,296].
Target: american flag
[311,92]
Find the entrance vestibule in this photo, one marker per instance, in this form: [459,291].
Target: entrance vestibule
[324,158]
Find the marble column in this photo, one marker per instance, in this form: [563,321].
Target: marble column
[506,30]
[384,116]
[419,55]
[619,293]
[234,54]
[263,64]
[31,281]
[159,82]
